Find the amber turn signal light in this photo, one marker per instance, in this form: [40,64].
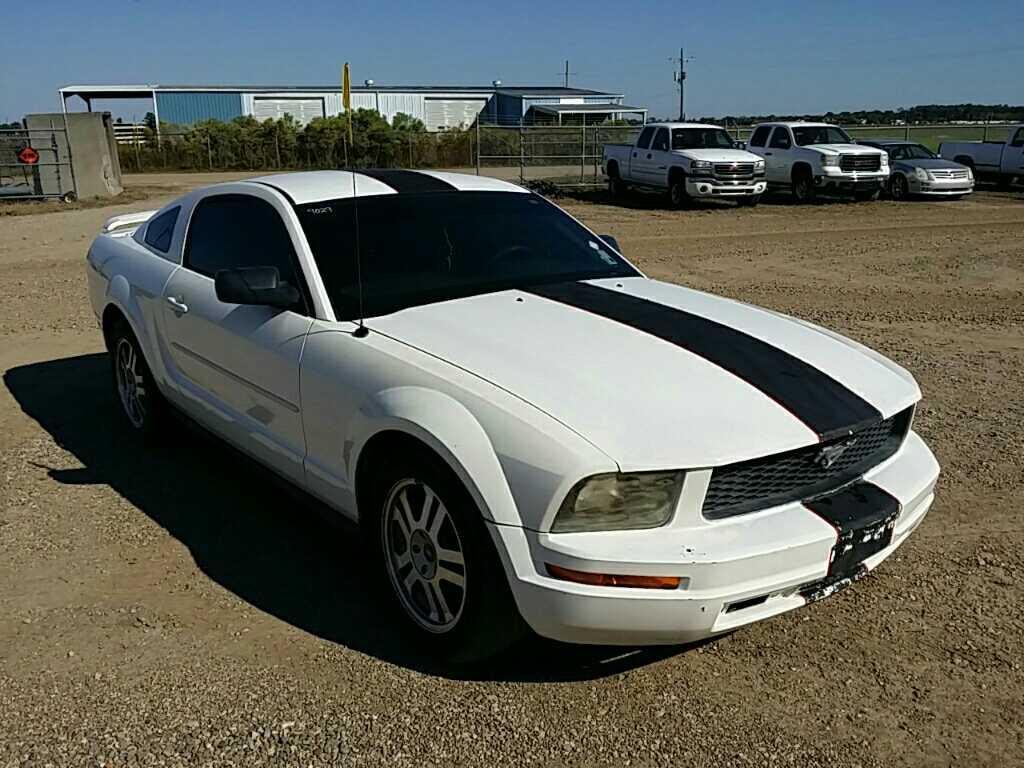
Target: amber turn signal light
[609,580]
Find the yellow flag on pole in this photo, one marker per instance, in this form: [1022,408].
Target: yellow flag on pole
[346,99]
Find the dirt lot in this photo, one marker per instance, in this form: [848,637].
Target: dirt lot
[168,607]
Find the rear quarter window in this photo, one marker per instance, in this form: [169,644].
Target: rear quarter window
[160,231]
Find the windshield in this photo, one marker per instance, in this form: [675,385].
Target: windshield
[701,138]
[422,248]
[804,135]
[917,152]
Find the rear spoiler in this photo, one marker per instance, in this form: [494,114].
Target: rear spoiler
[125,223]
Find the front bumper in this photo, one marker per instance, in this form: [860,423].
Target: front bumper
[852,181]
[699,186]
[940,187]
[736,571]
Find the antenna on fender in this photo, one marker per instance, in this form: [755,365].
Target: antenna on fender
[361,330]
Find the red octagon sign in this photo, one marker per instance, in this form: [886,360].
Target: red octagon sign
[28,156]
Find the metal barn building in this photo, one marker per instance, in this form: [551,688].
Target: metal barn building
[439,107]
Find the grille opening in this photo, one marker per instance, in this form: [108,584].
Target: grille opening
[860,162]
[746,486]
[744,604]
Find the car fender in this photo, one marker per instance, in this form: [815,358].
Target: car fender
[122,295]
[451,431]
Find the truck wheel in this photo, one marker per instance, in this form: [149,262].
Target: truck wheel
[677,195]
[438,561]
[749,201]
[898,189]
[141,403]
[803,187]
[616,186]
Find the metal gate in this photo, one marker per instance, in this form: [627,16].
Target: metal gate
[35,164]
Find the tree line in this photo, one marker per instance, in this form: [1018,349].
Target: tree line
[923,114]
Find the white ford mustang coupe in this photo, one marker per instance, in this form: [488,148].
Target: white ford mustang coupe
[528,430]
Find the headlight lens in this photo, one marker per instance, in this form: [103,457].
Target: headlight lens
[759,165]
[830,160]
[921,174]
[700,167]
[970,174]
[616,502]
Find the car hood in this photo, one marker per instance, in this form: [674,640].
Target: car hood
[933,164]
[718,155]
[845,149]
[645,401]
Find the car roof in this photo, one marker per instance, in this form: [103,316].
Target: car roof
[799,123]
[315,186]
[683,125]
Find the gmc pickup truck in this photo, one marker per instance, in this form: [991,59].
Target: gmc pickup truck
[690,160]
[997,160]
[809,158]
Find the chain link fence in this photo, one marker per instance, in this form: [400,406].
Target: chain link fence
[565,155]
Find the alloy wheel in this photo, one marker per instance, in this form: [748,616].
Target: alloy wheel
[898,187]
[424,555]
[130,384]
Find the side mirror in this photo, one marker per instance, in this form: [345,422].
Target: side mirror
[260,286]
[610,239]
[740,145]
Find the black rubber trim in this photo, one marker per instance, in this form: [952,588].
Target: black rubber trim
[814,397]
[408,181]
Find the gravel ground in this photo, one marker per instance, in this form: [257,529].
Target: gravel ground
[168,607]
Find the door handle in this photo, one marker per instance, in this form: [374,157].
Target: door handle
[767,153]
[177,307]
[648,155]
[634,154]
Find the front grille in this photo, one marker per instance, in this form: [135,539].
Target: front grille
[798,475]
[860,162]
[734,170]
[949,174]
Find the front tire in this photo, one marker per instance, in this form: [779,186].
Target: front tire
[677,194]
[438,560]
[803,187]
[899,190]
[141,403]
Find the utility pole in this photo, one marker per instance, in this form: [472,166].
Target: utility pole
[566,73]
[680,78]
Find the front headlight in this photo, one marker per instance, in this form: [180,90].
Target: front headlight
[830,161]
[921,174]
[759,165]
[970,174]
[700,167]
[617,502]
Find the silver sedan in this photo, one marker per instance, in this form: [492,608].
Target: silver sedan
[916,170]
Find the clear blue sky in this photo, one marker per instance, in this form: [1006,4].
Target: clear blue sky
[751,57]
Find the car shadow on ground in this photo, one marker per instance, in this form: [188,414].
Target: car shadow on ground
[256,538]
[642,200]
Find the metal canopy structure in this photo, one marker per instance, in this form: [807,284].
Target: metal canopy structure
[613,111]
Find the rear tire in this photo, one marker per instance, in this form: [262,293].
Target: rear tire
[616,186]
[748,202]
[437,561]
[142,405]
[804,191]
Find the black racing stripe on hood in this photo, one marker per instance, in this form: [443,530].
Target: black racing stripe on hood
[409,181]
[814,397]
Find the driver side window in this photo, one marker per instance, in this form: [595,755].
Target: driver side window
[233,231]
[780,138]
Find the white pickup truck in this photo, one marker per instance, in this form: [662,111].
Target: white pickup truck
[999,160]
[816,157]
[690,160]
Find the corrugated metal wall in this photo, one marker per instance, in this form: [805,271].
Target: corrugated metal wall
[188,107]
